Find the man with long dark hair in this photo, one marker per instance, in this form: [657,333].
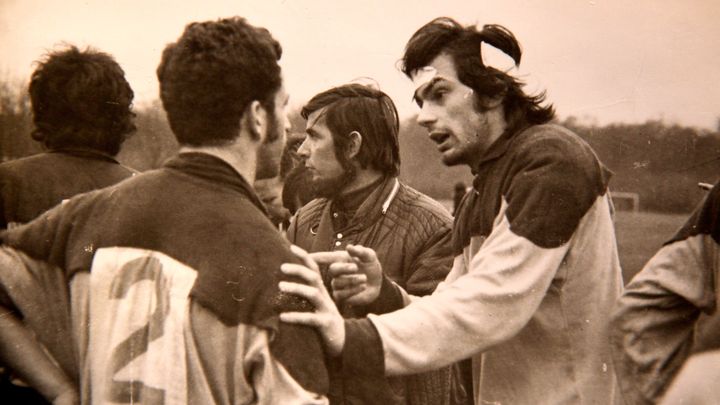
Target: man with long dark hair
[351,152]
[164,288]
[536,269]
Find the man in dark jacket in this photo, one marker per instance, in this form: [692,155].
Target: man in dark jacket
[82,112]
[351,152]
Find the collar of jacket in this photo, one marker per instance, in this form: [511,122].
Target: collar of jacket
[215,170]
[85,153]
[496,151]
[375,206]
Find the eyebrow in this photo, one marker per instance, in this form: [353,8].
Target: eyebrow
[311,131]
[427,88]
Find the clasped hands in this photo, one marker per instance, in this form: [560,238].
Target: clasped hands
[356,279]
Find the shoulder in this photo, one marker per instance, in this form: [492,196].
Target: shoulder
[551,157]
[704,221]
[310,212]
[18,167]
[553,142]
[414,201]
[418,213]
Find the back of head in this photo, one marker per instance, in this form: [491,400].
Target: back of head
[463,44]
[80,99]
[210,76]
[370,112]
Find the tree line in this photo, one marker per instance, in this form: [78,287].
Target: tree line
[663,163]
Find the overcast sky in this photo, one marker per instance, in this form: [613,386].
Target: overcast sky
[601,61]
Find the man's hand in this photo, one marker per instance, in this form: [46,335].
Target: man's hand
[326,318]
[356,274]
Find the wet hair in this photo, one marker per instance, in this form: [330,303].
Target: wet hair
[80,99]
[446,36]
[357,107]
[209,77]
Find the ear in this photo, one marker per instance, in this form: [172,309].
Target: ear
[355,143]
[255,121]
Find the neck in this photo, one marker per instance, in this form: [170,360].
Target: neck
[496,125]
[243,163]
[364,178]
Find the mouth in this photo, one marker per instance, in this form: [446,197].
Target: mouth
[439,138]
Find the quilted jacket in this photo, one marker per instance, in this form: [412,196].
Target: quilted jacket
[411,234]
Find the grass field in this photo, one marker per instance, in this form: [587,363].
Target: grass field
[640,235]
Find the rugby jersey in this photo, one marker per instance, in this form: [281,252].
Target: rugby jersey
[535,275]
[163,289]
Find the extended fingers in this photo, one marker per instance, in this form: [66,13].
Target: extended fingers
[330,257]
[301,290]
[339,269]
[305,257]
[309,276]
[362,253]
[347,281]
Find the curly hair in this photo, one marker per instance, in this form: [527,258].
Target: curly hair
[462,44]
[372,113]
[81,99]
[210,76]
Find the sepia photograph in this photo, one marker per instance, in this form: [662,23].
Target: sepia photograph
[359,202]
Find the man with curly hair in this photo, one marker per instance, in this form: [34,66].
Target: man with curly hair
[164,288]
[82,110]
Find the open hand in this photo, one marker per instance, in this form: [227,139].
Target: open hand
[326,318]
[356,274]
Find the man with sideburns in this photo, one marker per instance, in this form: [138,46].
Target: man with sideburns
[351,151]
[535,271]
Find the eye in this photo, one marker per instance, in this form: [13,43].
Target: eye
[438,94]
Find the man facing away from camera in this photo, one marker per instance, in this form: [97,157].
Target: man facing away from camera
[82,111]
[665,329]
[536,269]
[351,152]
[163,288]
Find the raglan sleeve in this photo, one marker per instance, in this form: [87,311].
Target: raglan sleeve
[653,322]
[549,188]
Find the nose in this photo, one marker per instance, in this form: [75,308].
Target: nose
[303,151]
[286,124]
[426,117]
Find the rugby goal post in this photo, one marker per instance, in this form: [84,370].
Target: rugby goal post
[625,201]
